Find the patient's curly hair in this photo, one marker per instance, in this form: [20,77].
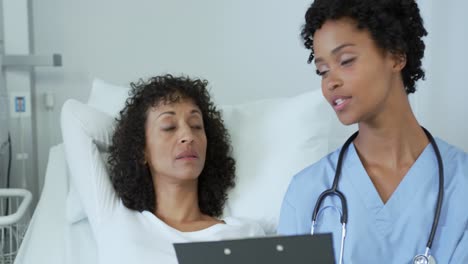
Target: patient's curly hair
[131,176]
[395,25]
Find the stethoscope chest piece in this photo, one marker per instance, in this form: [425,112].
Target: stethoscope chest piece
[422,259]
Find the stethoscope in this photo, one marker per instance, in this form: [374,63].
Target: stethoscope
[425,258]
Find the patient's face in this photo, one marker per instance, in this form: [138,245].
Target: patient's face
[175,141]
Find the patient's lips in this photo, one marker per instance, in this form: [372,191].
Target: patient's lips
[187,155]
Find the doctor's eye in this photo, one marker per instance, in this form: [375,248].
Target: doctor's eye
[347,61]
[321,73]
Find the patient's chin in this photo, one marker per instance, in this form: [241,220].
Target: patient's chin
[187,174]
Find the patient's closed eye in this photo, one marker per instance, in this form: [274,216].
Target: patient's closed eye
[167,128]
[196,126]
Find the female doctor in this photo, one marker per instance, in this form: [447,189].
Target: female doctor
[392,193]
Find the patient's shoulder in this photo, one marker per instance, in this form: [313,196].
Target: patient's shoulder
[245,227]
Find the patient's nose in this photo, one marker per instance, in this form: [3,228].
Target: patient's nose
[186,135]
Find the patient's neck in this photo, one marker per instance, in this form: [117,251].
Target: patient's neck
[177,202]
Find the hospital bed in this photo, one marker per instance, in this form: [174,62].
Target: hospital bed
[272,140]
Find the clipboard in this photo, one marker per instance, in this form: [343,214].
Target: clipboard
[299,249]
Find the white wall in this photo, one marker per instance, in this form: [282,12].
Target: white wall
[246,49]
[442,106]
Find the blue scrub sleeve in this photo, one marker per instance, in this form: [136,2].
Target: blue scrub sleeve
[461,251]
[287,222]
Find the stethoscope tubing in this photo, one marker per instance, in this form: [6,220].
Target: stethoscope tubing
[333,191]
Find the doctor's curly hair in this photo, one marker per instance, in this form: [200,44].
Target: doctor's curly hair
[395,26]
[130,174]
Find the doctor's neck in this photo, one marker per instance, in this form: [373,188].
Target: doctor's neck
[393,135]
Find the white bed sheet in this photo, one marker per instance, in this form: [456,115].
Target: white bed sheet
[50,238]
[80,244]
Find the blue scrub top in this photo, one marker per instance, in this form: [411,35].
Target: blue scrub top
[393,232]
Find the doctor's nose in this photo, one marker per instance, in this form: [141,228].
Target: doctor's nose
[333,82]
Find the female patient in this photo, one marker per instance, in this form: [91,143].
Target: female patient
[170,169]
[393,180]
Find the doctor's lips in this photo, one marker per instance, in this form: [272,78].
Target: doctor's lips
[340,102]
[187,155]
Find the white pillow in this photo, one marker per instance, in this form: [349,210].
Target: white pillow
[108,98]
[272,140]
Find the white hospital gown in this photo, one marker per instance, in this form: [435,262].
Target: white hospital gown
[393,232]
[123,235]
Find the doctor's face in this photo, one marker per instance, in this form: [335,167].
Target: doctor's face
[175,141]
[356,74]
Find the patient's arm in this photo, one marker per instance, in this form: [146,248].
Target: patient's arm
[85,130]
